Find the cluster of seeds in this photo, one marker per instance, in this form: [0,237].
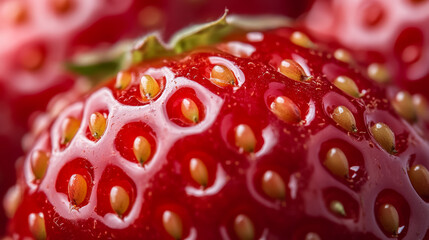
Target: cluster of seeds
[138,121]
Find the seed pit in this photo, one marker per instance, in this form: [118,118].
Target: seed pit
[136,142]
[392,213]
[75,180]
[184,108]
[116,192]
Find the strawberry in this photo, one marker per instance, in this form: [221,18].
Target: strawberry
[38,37]
[391,38]
[229,132]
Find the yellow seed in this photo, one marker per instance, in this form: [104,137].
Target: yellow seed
[343,56]
[389,218]
[384,136]
[123,79]
[198,171]
[379,73]
[97,125]
[149,87]
[300,39]
[273,185]
[69,128]
[172,224]
[222,76]
[336,162]
[190,110]
[62,6]
[245,139]
[337,207]
[343,117]
[285,109]
[293,70]
[12,200]
[403,105]
[119,200]
[419,177]
[312,236]
[39,163]
[347,85]
[422,106]
[32,59]
[14,11]
[77,189]
[142,149]
[36,224]
[243,227]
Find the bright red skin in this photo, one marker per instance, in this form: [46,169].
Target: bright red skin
[379,31]
[296,154]
[60,36]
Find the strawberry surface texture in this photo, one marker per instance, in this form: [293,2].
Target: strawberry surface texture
[229,133]
[38,37]
[390,38]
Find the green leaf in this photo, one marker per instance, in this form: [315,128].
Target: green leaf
[103,64]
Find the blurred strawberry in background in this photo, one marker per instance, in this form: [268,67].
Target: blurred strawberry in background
[37,37]
[390,37]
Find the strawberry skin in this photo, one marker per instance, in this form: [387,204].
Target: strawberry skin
[38,37]
[393,34]
[262,135]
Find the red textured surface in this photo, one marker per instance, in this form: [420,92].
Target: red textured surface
[234,178]
[391,32]
[33,50]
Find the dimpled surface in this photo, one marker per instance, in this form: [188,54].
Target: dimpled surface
[165,200]
[37,37]
[393,33]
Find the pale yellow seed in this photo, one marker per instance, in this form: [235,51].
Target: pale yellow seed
[172,224]
[379,73]
[123,80]
[97,125]
[336,162]
[344,117]
[293,70]
[36,224]
[245,139]
[39,163]
[243,227]
[222,76]
[190,110]
[343,56]
[198,171]
[347,85]
[149,87]
[384,136]
[69,128]
[404,106]
[142,149]
[12,200]
[422,106]
[337,207]
[119,200]
[389,218]
[300,39]
[285,109]
[273,185]
[77,189]
[419,177]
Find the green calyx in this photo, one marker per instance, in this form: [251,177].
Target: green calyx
[103,64]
